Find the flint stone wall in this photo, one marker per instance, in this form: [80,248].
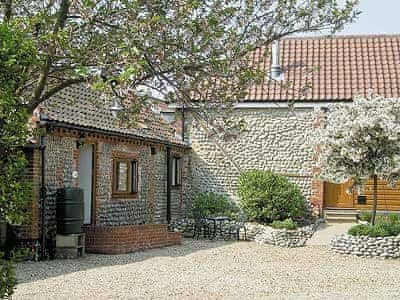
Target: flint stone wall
[379,247]
[273,140]
[150,207]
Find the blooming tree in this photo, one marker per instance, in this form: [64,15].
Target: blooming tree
[360,141]
[178,48]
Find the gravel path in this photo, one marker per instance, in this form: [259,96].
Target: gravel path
[212,270]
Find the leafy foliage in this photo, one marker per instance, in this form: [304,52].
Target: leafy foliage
[386,225]
[212,204]
[368,230]
[268,197]
[7,279]
[178,48]
[288,224]
[365,216]
[16,55]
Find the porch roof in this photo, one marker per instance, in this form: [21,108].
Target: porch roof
[83,107]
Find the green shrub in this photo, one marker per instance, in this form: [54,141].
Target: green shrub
[360,229]
[288,224]
[213,204]
[390,228]
[365,216]
[7,279]
[268,197]
[379,230]
[394,218]
[391,218]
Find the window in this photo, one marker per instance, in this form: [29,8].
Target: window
[125,177]
[176,171]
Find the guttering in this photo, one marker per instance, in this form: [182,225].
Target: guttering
[183,122]
[251,104]
[43,192]
[114,133]
[285,104]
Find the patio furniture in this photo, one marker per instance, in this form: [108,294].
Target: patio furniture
[200,226]
[236,226]
[217,222]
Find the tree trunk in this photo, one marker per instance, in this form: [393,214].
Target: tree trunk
[375,200]
[8,4]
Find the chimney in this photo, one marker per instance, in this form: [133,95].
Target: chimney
[276,71]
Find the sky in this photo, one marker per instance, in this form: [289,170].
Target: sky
[377,17]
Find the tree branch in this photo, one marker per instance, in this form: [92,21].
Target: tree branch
[54,90]
[42,81]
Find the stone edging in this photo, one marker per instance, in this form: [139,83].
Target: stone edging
[281,237]
[365,246]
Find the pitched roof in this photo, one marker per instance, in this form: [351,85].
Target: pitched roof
[344,66]
[81,106]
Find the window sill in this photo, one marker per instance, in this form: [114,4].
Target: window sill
[124,196]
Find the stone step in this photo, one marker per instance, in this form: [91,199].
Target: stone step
[340,219]
[341,215]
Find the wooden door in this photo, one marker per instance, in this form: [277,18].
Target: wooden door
[335,195]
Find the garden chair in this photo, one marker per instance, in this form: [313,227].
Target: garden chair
[238,224]
[200,225]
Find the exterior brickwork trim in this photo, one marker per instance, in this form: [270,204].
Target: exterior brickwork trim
[125,239]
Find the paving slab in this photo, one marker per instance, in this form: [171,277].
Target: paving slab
[326,231]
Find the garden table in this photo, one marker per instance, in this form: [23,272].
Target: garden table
[217,222]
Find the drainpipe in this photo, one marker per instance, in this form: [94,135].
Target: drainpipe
[168,184]
[183,122]
[43,190]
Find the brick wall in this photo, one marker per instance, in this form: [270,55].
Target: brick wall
[124,239]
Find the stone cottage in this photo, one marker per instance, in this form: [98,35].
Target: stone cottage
[135,180]
[138,179]
[280,113]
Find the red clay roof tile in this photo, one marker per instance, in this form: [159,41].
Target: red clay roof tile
[342,67]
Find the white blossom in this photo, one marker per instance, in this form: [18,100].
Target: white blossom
[358,140]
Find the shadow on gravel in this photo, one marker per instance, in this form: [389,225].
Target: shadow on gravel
[33,271]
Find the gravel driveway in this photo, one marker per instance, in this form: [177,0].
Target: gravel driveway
[212,270]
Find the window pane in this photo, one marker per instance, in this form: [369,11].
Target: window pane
[173,171]
[178,171]
[134,176]
[122,173]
